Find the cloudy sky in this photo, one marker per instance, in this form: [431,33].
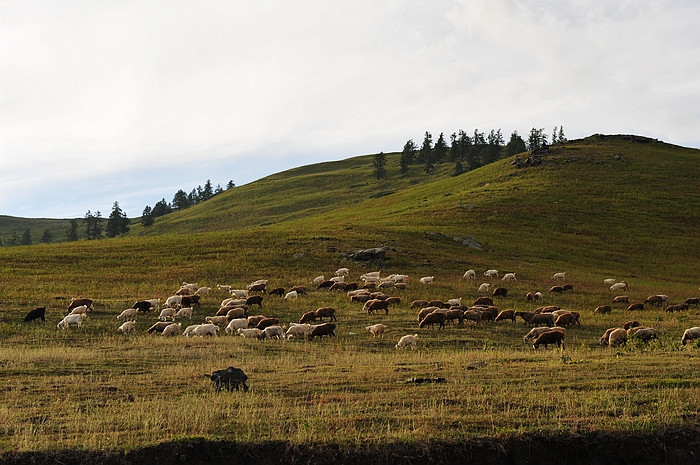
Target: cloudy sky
[130,101]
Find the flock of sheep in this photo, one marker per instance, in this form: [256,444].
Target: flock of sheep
[548,323]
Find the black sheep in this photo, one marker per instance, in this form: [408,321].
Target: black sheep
[35,314]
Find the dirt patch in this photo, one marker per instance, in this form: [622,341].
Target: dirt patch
[678,446]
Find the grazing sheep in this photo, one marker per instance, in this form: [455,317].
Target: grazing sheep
[158,327]
[258,287]
[308,317]
[167,313]
[454,302]
[643,333]
[635,307]
[184,312]
[692,301]
[426,280]
[538,296]
[231,378]
[376,329]
[484,287]
[340,287]
[609,281]
[602,309]
[127,327]
[254,320]
[129,314]
[300,290]
[188,331]
[183,291]
[235,324]
[267,322]
[70,320]
[419,304]
[621,299]
[556,289]
[78,302]
[491,273]
[362,298]
[216,320]
[506,315]
[676,308]
[273,331]
[232,302]
[472,315]
[189,300]
[426,311]
[489,313]
[408,340]
[298,330]
[566,319]
[205,330]
[143,306]
[318,280]
[561,276]
[509,277]
[327,312]
[342,272]
[254,300]
[617,337]
[542,319]
[454,313]
[621,286]
[500,292]
[37,313]
[236,312]
[291,295]
[337,279]
[526,316]
[432,319]
[469,274]
[278,291]
[324,329]
[203,291]
[690,335]
[535,333]
[549,337]
[483,301]
[173,301]
[656,300]
[250,333]
[630,324]
[375,305]
[239,293]
[172,329]
[224,287]
[79,310]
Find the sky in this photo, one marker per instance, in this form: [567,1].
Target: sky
[131,101]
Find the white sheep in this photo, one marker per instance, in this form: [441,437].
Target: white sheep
[155,303]
[217,320]
[469,274]
[484,287]
[291,295]
[298,330]
[224,287]
[491,273]
[408,340]
[318,280]
[188,331]
[167,313]
[232,302]
[184,312]
[70,320]
[202,291]
[621,286]
[127,327]
[129,314]
[454,302]
[538,296]
[338,279]
[79,310]
[509,277]
[690,334]
[204,330]
[609,281]
[250,333]
[236,324]
[342,272]
[171,330]
[275,331]
[427,280]
[173,300]
[560,276]
[239,293]
[376,330]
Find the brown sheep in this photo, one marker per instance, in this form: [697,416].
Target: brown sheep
[419,304]
[425,311]
[254,320]
[645,334]
[437,303]
[500,292]
[547,309]
[621,299]
[265,322]
[361,298]
[483,301]
[526,316]
[393,300]
[254,300]
[375,305]
[472,315]
[326,312]
[325,329]
[489,313]
[630,324]
[529,297]
[452,315]
[549,337]
[541,319]
[635,307]
[602,309]
[308,317]
[261,287]
[656,300]
[338,287]
[433,319]
[565,320]
[506,315]
[237,312]
[300,290]
[325,284]
[379,295]
[676,308]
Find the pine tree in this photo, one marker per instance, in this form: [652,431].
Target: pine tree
[180,200]
[207,191]
[147,217]
[161,208]
[93,225]
[379,164]
[47,238]
[118,222]
[440,149]
[561,138]
[426,149]
[26,237]
[230,185]
[516,144]
[407,155]
[536,139]
[72,232]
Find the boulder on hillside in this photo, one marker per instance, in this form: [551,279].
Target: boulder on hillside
[366,255]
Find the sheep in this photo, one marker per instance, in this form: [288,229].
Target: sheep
[561,276]
[236,324]
[266,322]
[426,280]
[491,273]
[469,274]
[500,292]
[386,285]
[129,314]
[155,304]
[509,277]
[300,290]
[172,329]
[454,302]
[342,272]
[556,289]
[275,331]
[239,293]
[278,291]
[224,287]
[291,295]
[621,286]
[298,330]
[339,287]
[637,306]
[190,286]
[676,308]
[254,300]
[184,312]
[526,316]
[250,333]
[542,319]
[602,309]
[566,319]
[432,319]
[690,334]
[549,337]
[173,301]
[79,310]
[425,311]
[39,312]
[506,315]
[166,313]
[78,302]
[535,332]
[453,314]
[621,299]
[376,329]
[127,327]
[656,300]
[216,320]
[188,331]
[692,301]
[375,305]
[371,276]
[254,320]
[183,291]
[232,302]
[324,329]
[204,330]
[643,333]
[609,281]
[614,337]
[236,312]
[72,319]
[393,300]
[203,291]
[158,327]
[308,317]
[327,312]
[419,304]
[538,296]
[630,324]
[484,287]
[483,301]
[142,306]
[472,315]
[408,340]
[258,287]
[189,300]
[318,280]
[489,313]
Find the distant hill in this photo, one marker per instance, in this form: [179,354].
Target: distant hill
[12,228]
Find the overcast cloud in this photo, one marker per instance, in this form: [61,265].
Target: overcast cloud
[130,101]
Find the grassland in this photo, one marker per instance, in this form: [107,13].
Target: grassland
[597,208]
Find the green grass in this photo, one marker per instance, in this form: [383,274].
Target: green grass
[93,388]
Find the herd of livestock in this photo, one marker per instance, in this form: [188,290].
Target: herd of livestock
[549,323]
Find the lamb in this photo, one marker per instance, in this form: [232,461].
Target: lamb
[298,330]
[70,320]
[561,276]
[39,312]
[376,329]
[184,312]
[167,313]
[408,340]
[432,319]
[204,330]
[275,331]
[621,286]
[602,309]
[375,305]
[426,280]
[79,310]
[491,273]
[327,312]
[318,280]
[235,324]
[469,274]
[621,299]
[549,337]
[325,329]
[535,332]
[129,314]
[172,329]
[690,335]
[342,272]
[250,333]
[509,277]
[127,327]
[216,320]
[484,287]
[291,295]
[158,327]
